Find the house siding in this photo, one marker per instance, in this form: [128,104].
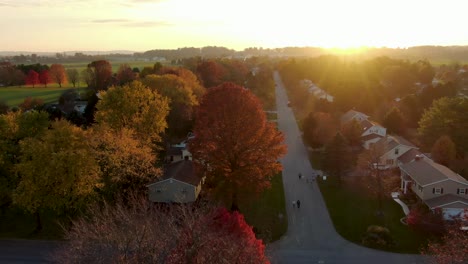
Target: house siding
[390,159]
[449,187]
[375,130]
[172,191]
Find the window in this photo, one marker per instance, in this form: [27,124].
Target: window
[158,191]
[389,162]
[397,151]
[462,191]
[184,190]
[438,190]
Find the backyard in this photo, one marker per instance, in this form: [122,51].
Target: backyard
[15,95]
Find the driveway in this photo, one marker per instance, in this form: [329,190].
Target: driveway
[311,236]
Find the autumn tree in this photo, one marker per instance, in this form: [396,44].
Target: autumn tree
[190,79]
[319,128]
[101,74]
[44,77]
[58,74]
[182,101]
[394,121]
[452,248]
[125,74]
[32,78]
[444,151]
[134,106]
[337,157]
[235,142]
[211,73]
[57,171]
[445,117]
[15,127]
[73,76]
[140,232]
[127,165]
[352,131]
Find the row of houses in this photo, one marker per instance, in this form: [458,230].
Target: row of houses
[436,185]
[316,91]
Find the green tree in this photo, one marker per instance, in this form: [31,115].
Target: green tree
[134,106]
[447,116]
[57,171]
[73,76]
[336,157]
[393,121]
[444,151]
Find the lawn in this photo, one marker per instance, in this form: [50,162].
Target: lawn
[17,223]
[352,211]
[79,66]
[263,213]
[14,95]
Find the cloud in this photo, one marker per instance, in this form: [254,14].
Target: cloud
[131,23]
[147,24]
[110,21]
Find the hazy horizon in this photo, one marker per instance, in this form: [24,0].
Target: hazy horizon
[140,25]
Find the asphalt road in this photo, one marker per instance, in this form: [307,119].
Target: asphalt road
[311,236]
[16,251]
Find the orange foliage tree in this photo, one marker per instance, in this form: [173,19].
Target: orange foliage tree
[234,142]
[140,232]
[58,74]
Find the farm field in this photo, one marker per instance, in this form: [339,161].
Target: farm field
[115,65]
[15,95]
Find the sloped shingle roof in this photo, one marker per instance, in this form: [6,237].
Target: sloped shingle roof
[182,170]
[447,201]
[348,116]
[426,172]
[409,155]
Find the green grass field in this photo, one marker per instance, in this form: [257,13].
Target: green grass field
[263,213]
[352,211]
[15,95]
[115,65]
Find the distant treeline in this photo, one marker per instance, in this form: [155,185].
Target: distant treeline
[435,54]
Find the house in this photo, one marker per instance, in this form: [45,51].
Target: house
[316,91]
[180,184]
[179,151]
[436,185]
[371,127]
[353,115]
[370,139]
[393,148]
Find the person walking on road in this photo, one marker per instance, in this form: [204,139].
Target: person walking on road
[298,204]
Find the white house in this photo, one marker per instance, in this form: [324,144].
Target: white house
[316,91]
[394,147]
[370,139]
[371,127]
[353,115]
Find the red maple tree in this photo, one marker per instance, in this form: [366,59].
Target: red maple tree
[44,77]
[32,78]
[234,142]
[211,73]
[101,74]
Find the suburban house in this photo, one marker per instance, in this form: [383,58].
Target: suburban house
[394,147]
[179,151]
[180,184]
[371,127]
[436,185]
[353,115]
[370,139]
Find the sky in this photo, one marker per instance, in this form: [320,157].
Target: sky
[140,25]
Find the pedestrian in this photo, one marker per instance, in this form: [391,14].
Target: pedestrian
[294,204]
[298,204]
[300,176]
